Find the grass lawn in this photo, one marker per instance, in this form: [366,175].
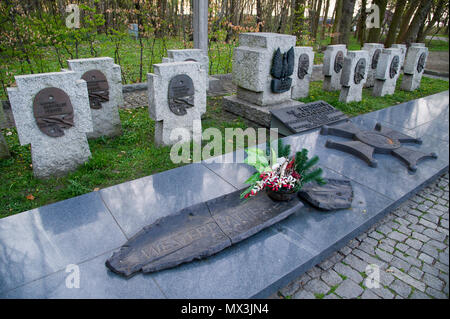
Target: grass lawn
[133,154]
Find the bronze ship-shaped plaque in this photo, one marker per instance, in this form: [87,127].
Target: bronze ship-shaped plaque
[198,231]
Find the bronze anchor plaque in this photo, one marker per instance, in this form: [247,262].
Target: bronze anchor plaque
[339,62]
[360,70]
[98,88]
[393,70]
[53,111]
[421,62]
[303,66]
[181,94]
[375,58]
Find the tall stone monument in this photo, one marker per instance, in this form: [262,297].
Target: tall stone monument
[414,67]
[333,62]
[104,83]
[354,75]
[193,55]
[177,100]
[374,51]
[52,113]
[403,50]
[305,60]
[264,67]
[4,151]
[388,70]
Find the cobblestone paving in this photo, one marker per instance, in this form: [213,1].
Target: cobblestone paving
[410,247]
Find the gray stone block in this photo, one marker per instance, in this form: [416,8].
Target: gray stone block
[171,128]
[414,67]
[388,70]
[106,120]
[52,156]
[254,112]
[354,75]
[332,74]
[349,289]
[372,49]
[252,62]
[301,87]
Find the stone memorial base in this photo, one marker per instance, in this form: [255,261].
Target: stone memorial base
[253,112]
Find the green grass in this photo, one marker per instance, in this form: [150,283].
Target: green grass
[114,160]
[369,103]
[437,45]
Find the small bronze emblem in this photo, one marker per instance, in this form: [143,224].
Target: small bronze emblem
[421,62]
[303,66]
[375,58]
[98,88]
[53,111]
[282,69]
[360,70]
[339,62]
[181,94]
[190,60]
[393,70]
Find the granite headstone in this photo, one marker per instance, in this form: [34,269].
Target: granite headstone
[414,67]
[304,58]
[374,51]
[333,62]
[388,71]
[52,113]
[354,75]
[104,82]
[177,99]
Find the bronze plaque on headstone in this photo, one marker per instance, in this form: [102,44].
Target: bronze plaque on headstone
[282,69]
[421,62]
[393,70]
[303,66]
[98,88]
[375,58]
[339,62]
[360,70]
[53,111]
[181,94]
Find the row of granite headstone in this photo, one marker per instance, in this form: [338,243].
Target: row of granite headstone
[57,112]
[372,67]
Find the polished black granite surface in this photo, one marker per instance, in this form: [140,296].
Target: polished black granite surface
[39,247]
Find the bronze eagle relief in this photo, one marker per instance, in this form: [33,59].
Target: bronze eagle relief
[282,70]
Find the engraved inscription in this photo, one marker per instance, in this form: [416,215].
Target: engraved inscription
[181,94]
[53,111]
[98,88]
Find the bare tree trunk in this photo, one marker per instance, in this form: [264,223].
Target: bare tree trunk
[375,33]
[437,16]
[325,18]
[419,18]
[259,15]
[362,23]
[336,22]
[346,21]
[413,4]
[316,19]
[390,37]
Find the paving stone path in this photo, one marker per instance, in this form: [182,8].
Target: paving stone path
[409,247]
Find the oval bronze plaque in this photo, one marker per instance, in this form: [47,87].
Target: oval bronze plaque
[53,111]
[98,88]
[360,70]
[181,94]
[303,66]
[339,62]
[421,62]
[393,70]
[375,58]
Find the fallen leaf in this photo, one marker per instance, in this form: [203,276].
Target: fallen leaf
[30,197]
[96,189]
